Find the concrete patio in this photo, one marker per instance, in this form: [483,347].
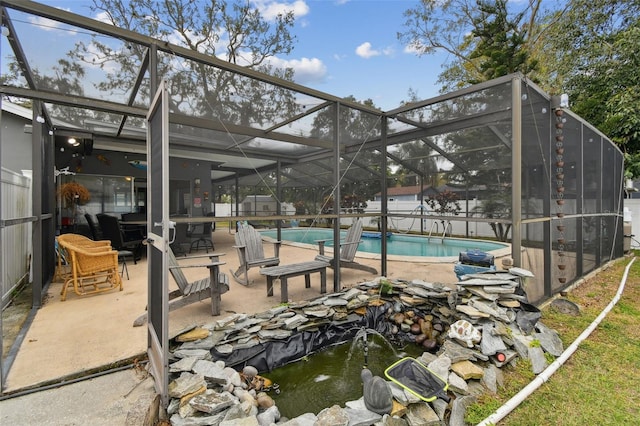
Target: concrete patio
[82,334]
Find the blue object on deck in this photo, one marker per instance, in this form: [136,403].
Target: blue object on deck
[473,262]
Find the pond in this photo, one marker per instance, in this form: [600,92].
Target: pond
[332,376]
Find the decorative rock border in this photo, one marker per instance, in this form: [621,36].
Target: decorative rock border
[469,331]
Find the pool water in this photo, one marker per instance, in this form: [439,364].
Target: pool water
[397,244]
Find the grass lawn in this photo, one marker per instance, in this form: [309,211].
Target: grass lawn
[600,383]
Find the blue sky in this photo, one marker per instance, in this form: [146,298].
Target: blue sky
[346,47]
[356,51]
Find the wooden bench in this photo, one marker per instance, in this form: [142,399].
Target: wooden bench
[284,272]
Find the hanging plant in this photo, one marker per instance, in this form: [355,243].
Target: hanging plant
[74,193]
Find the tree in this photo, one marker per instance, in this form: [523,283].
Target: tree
[418,156]
[234,31]
[444,203]
[66,78]
[591,51]
[501,46]
[497,206]
[585,48]
[359,169]
[484,38]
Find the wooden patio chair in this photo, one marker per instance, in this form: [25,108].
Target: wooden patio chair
[251,252]
[94,268]
[195,291]
[348,249]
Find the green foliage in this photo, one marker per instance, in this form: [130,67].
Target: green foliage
[550,358]
[585,48]
[444,203]
[351,203]
[386,287]
[479,411]
[501,41]
[484,38]
[590,48]
[497,205]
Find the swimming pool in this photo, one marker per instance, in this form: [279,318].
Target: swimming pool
[397,244]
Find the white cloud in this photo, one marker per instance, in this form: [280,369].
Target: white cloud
[271,9]
[365,51]
[306,69]
[50,25]
[414,48]
[103,17]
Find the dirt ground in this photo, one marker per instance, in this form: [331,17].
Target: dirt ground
[14,317]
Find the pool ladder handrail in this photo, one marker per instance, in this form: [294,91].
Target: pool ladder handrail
[446,227]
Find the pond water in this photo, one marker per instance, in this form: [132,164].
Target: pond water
[332,376]
[397,244]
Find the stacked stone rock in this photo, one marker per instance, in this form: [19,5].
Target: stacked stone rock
[205,391]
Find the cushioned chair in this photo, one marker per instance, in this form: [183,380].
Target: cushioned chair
[127,244]
[94,227]
[63,267]
[94,268]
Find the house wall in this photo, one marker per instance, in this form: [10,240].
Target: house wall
[15,143]
[183,175]
[261,206]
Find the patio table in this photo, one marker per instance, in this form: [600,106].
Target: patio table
[284,272]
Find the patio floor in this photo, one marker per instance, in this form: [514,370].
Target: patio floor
[84,333]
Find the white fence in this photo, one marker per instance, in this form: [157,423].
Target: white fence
[16,238]
[413,208]
[632,205]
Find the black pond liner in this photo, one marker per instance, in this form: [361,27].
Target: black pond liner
[269,355]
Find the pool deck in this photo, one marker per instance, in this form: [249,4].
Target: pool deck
[85,333]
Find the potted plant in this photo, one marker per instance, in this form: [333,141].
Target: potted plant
[72,195]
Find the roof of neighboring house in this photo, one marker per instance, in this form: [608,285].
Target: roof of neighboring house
[18,110]
[27,113]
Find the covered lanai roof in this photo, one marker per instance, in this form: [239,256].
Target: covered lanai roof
[244,121]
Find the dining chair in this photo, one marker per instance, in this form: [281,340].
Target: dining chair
[203,238]
[94,227]
[120,241]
